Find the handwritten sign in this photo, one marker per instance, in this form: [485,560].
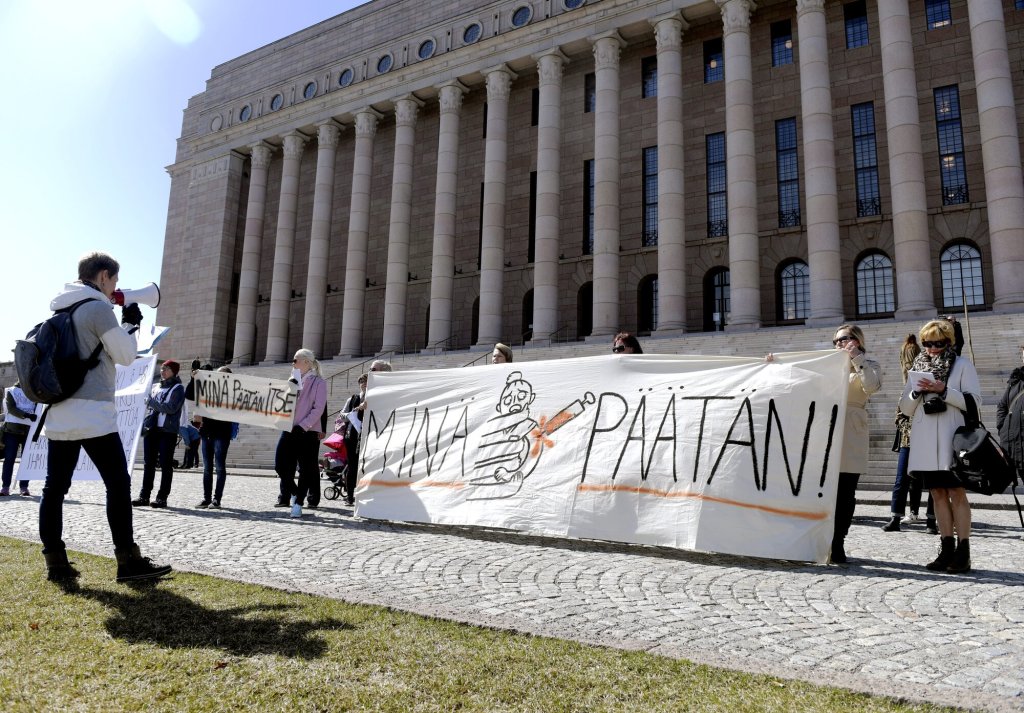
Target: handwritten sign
[131,390]
[726,454]
[255,400]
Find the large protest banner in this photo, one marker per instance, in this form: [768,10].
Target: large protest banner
[720,454]
[241,398]
[131,390]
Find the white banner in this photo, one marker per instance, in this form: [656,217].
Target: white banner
[131,391]
[255,400]
[719,454]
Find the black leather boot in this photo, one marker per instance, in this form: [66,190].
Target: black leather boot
[961,560]
[58,569]
[946,548]
[132,566]
[893,525]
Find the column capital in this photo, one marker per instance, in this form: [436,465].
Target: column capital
[328,134]
[450,98]
[669,29]
[736,14]
[499,82]
[606,50]
[549,65]
[405,109]
[366,122]
[803,6]
[294,141]
[261,153]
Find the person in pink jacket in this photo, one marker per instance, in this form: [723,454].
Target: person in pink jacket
[301,445]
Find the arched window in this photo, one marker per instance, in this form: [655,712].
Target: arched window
[961,276]
[528,316]
[647,305]
[585,310]
[794,291]
[716,299]
[875,293]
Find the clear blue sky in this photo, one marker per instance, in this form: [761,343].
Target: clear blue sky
[94,94]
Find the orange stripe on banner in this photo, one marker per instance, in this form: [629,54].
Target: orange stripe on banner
[585,488]
[410,483]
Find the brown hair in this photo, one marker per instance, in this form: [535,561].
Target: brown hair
[92,264]
[908,352]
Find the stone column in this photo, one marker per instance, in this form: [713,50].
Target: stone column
[741,166]
[820,187]
[906,165]
[442,272]
[284,248]
[1000,151]
[249,277]
[549,167]
[668,33]
[358,235]
[400,224]
[328,134]
[606,185]
[492,255]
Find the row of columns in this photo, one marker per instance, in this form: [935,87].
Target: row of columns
[1000,153]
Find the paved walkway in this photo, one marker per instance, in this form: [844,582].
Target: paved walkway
[883,624]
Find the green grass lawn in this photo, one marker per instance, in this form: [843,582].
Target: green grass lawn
[195,643]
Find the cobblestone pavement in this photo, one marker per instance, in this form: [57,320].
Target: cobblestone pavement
[882,624]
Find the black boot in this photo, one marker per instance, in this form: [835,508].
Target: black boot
[893,525]
[132,566]
[931,527]
[140,501]
[940,563]
[838,555]
[961,560]
[58,569]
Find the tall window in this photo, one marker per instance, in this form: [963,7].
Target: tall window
[794,290]
[855,15]
[937,14]
[787,173]
[535,106]
[585,310]
[875,293]
[714,66]
[718,209]
[951,146]
[649,76]
[527,322]
[589,92]
[716,299]
[588,207]
[1018,4]
[647,304]
[782,43]
[865,159]
[960,265]
[531,247]
[480,234]
[650,233]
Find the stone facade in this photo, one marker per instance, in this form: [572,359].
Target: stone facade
[384,223]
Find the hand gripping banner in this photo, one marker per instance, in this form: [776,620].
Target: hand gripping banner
[718,454]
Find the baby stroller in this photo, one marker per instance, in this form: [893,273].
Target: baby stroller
[333,464]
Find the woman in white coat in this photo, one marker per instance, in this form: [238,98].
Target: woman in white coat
[936,405]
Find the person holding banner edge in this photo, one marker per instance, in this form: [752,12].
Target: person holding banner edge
[161,435]
[301,445]
[89,420]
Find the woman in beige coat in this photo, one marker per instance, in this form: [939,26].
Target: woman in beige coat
[865,379]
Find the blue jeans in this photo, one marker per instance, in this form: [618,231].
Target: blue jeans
[904,484]
[11,443]
[108,455]
[215,451]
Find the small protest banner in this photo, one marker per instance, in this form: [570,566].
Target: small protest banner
[132,387]
[255,400]
[721,454]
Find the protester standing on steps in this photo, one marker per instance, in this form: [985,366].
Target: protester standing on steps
[301,445]
[935,404]
[1009,415]
[626,343]
[19,413]
[161,429]
[502,354]
[88,420]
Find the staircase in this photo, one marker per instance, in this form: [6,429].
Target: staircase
[995,338]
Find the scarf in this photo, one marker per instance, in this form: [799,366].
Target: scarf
[940,365]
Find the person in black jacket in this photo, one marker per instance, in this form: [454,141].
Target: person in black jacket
[356,404]
[216,437]
[1008,417]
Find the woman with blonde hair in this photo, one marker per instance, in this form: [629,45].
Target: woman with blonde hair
[301,445]
[936,404]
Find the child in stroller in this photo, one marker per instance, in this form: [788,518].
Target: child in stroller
[333,463]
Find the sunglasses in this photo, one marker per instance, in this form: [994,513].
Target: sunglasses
[935,345]
[618,349]
[842,340]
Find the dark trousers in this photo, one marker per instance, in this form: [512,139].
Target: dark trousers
[907,484]
[158,446]
[12,441]
[846,501]
[351,467]
[108,455]
[215,452]
[298,448]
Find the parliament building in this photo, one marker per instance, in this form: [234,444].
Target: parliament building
[415,175]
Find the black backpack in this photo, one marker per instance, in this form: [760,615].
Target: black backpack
[47,361]
[979,461]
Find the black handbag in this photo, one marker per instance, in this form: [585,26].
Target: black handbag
[979,461]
